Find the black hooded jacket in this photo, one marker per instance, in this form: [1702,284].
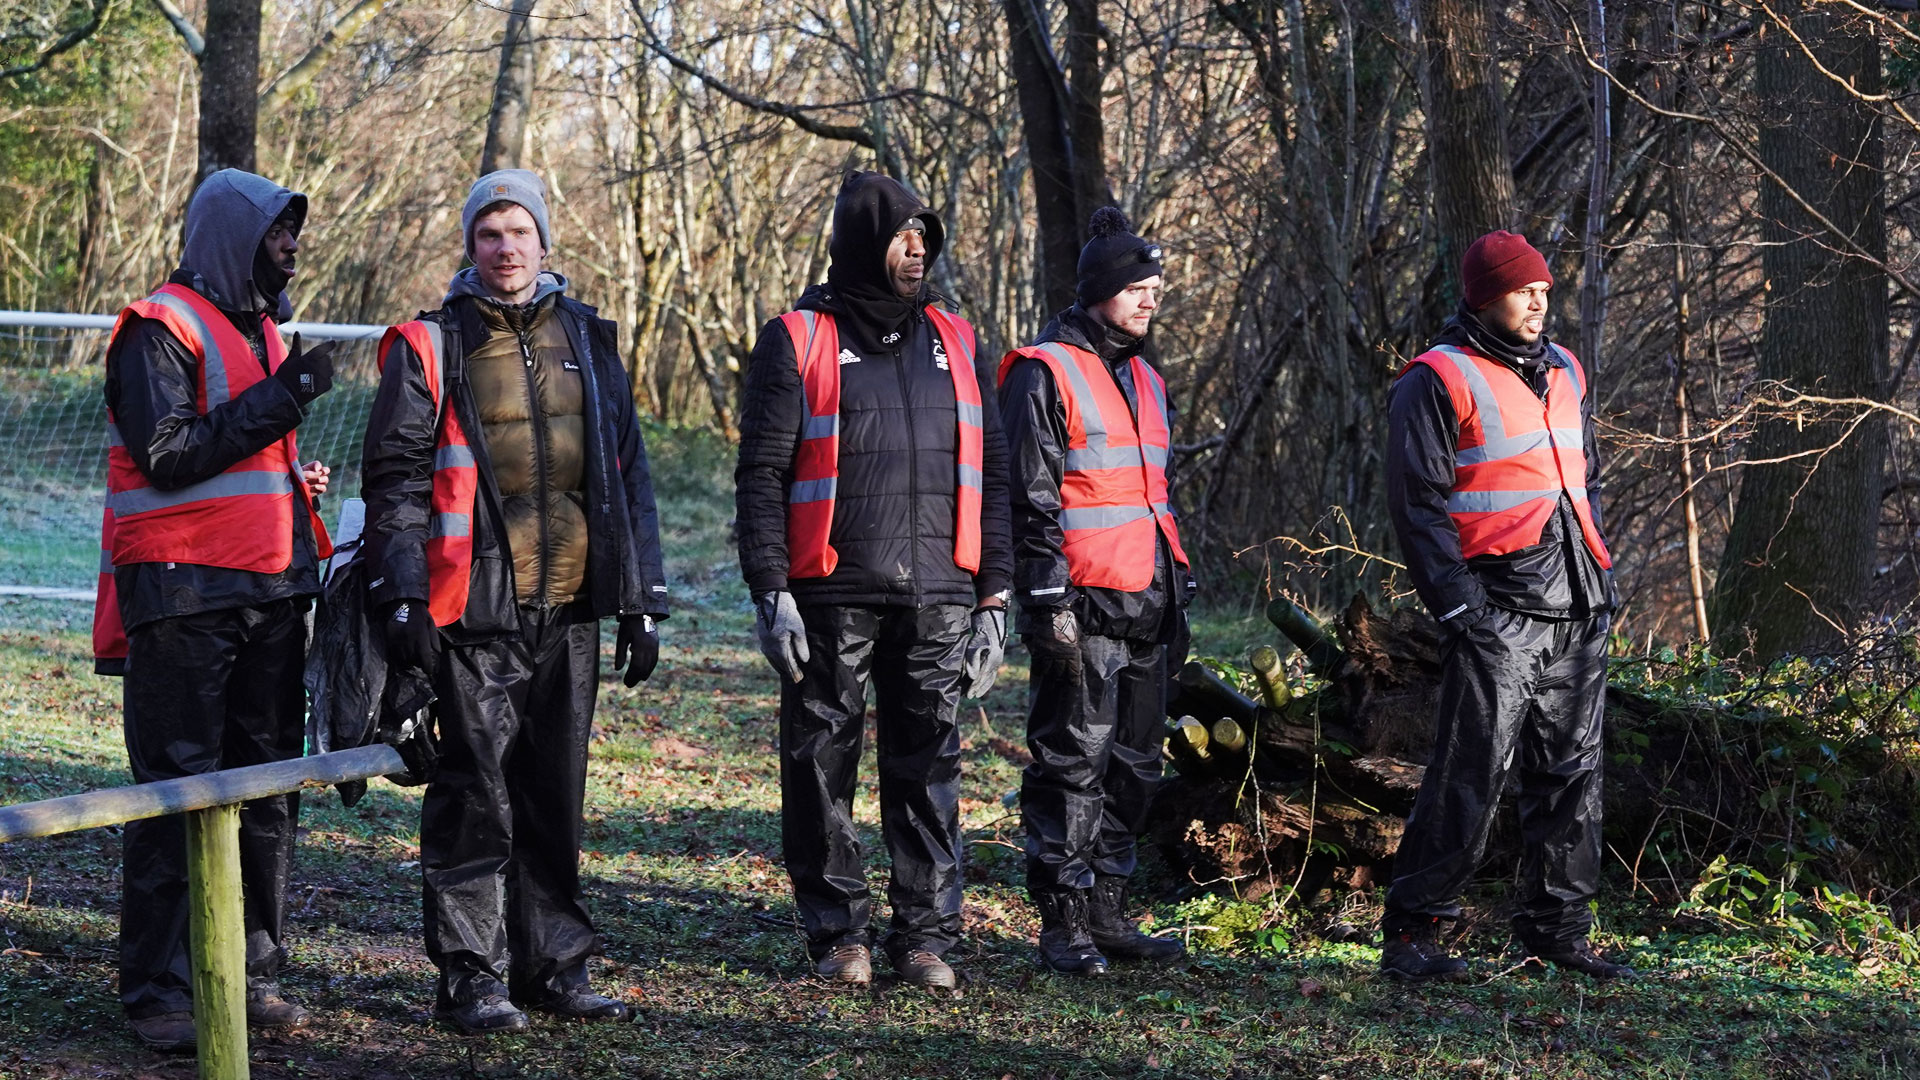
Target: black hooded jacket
[1036,422]
[895,505]
[625,575]
[152,387]
[1555,578]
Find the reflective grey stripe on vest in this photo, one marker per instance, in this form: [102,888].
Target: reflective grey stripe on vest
[437,338]
[453,457]
[1492,502]
[1567,438]
[213,367]
[449,524]
[1112,457]
[1573,370]
[970,414]
[1091,422]
[113,435]
[1484,401]
[1075,518]
[806,491]
[224,486]
[970,477]
[106,561]
[821,427]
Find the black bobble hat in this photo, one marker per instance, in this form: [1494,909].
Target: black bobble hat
[1114,258]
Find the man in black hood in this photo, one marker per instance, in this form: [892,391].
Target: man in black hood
[214,549]
[1103,586]
[872,506]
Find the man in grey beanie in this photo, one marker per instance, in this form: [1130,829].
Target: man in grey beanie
[501,528]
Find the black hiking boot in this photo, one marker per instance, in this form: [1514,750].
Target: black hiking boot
[1578,955]
[1066,942]
[1115,935]
[491,1014]
[582,1004]
[1416,955]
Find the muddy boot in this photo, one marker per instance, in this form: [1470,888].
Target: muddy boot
[1066,942]
[1115,935]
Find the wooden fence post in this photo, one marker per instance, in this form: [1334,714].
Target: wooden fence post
[218,942]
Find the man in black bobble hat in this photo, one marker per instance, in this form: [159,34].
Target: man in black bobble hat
[1103,587]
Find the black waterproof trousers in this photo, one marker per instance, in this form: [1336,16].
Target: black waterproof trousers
[1095,728]
[913,657]
[500,823]
[1512,687]
[209,691]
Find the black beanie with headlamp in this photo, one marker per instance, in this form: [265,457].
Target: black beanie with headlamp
[1114,258]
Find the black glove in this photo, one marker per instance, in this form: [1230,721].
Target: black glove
[307,375]
[1180,643]
[412,639]
[1057,638]
[640,640]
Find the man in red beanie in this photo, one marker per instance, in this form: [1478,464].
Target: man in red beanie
[1492,481]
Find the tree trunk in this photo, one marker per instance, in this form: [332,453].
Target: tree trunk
[1466,131]
[229,86]
[1802,539]
[506,146]
[1052,120]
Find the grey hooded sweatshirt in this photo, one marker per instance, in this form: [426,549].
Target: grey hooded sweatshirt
[151,387]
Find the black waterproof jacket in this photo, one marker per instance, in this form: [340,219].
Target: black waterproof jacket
[894,507]
[625,575]
[1555,578]
[152,388]
[1036,423]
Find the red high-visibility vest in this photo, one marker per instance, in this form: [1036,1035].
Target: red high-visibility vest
[816,463]
[455,480]
[241,519]
[1113,491]
[1516,454]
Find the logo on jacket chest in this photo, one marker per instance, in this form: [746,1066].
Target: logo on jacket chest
[848,356]
[939,353]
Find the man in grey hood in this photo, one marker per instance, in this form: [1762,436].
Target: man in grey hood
[213,547]
[509,509]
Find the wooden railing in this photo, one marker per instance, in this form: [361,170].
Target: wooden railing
[215,930]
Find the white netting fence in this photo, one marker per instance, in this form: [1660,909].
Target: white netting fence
[53,437]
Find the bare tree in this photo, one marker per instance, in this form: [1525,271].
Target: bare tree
[506,145]
[1798,555]
[229,86]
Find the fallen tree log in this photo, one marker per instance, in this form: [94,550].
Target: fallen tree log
[1319,794]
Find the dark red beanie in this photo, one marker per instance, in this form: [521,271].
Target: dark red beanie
[1497,264]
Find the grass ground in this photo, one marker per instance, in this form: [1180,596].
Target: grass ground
[683,874]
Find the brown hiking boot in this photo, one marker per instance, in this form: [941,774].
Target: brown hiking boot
[491,1014]
[1415,955]
[167,1032]
[266,1008]
[850,964]
[922,968]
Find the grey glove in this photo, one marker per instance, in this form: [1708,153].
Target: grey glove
[783,636]
[986,645]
